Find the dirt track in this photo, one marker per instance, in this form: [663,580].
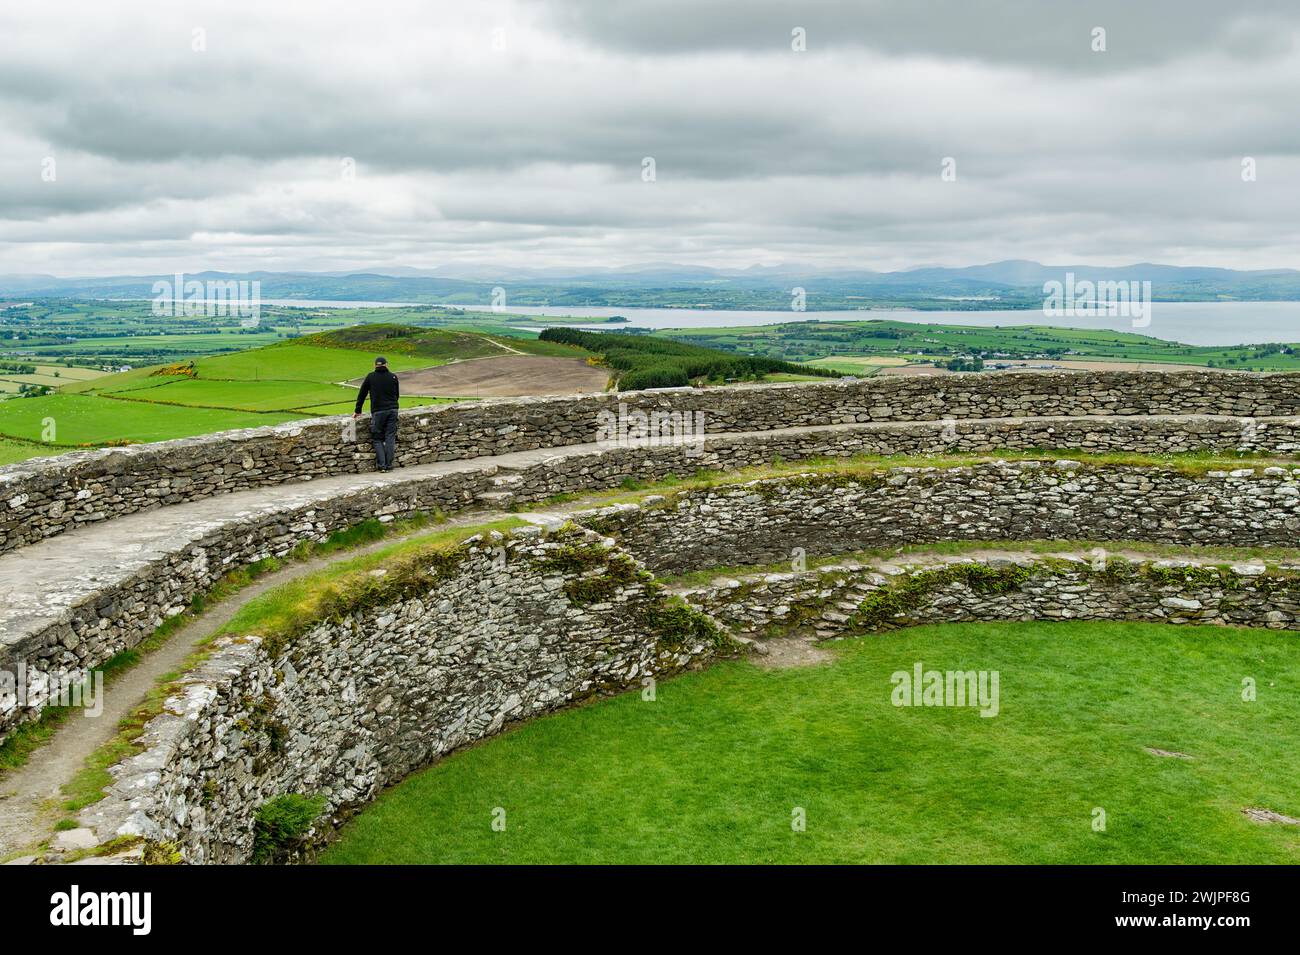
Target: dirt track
[509,376]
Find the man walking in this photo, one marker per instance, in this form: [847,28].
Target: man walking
[381,386]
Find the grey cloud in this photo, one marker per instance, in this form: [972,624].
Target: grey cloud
[1043,33]
[231,158]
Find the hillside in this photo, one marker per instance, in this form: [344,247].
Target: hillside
[299,378]
[318,374]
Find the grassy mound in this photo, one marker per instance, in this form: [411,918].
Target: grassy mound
[408,340]
[715,768]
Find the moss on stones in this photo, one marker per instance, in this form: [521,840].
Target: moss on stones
[882,608]
[1192,576]
[161,853]
[677,626]
[281,825]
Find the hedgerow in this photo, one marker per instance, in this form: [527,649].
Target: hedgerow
[645,362]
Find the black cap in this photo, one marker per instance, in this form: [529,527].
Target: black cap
[381,360]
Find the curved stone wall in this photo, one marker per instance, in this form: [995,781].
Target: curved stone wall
[833,512]
[437,653]
[848,598]
[513,626]
[457,652]
[89,620]
[47,496]
[136,585]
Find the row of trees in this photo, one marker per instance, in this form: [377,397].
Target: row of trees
[645,362]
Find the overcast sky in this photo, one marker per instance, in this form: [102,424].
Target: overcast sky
[516,133]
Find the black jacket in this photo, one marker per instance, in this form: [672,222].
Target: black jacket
[381,386]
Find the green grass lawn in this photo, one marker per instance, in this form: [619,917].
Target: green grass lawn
[712,770]
[11,452]
[242,395]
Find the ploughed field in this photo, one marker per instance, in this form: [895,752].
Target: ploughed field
[721,766]
[510,376]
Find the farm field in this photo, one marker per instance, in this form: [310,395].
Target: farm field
[712,770]
[11,452]
[861,366]
[299,361]
[286,380]
[93,420]
[267,395]
[508,376]
[44,375]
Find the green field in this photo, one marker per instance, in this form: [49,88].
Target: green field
[88,419]
[714,768]
[302,361]
[860,366]
[11,452]
[280,382]
[44,376]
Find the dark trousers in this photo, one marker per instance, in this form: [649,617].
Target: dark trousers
[383,435]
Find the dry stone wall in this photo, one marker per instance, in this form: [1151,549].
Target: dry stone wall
[451,650]
[571,471]
[115,614]
[448,647]
[830,513]
[356,702]
[513,626]
[822,514]
[853,597]
[49,496]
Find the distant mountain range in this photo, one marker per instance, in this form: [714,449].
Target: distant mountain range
[1009,284]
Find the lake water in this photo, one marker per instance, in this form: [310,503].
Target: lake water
[1194,323]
